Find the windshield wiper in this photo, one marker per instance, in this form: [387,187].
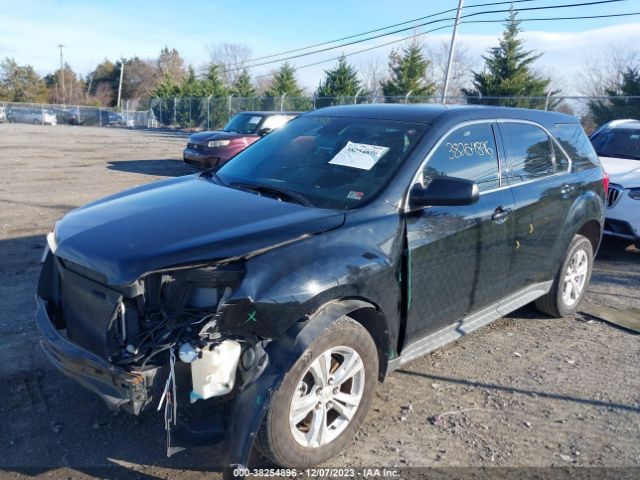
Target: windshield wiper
[281,193]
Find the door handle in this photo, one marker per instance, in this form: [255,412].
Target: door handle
[566,189]
[500,214]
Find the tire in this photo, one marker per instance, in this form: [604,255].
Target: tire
[556,303]
[292,444]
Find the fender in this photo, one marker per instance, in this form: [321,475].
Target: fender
[581,212]
[250,405]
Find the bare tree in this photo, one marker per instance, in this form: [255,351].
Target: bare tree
[103,95]
[372,74]
[232,58]
[461,67]
[140,77]
[170,65]
[603,70]
[262,83]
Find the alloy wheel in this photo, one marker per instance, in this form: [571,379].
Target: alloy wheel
[575,277]
[327,397]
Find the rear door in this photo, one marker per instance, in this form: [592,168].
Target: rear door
[458,257]
[538,173]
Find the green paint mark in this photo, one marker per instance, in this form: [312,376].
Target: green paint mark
[409,278]
[252,317]
[393,354]
[258,400]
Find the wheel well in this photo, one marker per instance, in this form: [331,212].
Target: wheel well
[591,230]
[372,320]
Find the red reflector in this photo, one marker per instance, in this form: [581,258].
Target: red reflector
[605,181]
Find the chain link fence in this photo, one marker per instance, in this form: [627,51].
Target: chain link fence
[203,113]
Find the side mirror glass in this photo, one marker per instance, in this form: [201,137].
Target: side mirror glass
[444,191]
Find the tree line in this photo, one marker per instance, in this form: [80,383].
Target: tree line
[413,71]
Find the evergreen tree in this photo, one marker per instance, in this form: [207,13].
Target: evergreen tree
[213,84]
[243,87]
[191,86]
[284,81]
[217,107]
[408,73]
[339,82]
[604,111]
[508,73]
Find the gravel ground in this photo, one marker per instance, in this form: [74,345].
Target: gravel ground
[526,391]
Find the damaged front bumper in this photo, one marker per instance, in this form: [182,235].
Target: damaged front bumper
[120,389]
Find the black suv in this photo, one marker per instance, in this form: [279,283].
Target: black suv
[280,288]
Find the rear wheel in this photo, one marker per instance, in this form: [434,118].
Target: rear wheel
[571,281]
[323,398]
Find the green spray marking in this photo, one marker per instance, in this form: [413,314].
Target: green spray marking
[409,278]
[258,400]
[252,317]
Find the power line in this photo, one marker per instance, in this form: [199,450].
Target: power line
[349,37]
[585,17]
[582,4]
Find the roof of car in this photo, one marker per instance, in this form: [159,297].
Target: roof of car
[627,123]
[267,112]
[429,112]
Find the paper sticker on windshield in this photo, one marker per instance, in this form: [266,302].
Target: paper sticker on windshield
[355,195]
[359,155]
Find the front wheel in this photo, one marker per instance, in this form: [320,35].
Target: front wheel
[323,398]
[571,282]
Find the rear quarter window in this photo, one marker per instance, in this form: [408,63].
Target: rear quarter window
[529,152]
[575,142]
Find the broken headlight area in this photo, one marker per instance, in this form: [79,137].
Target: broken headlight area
[143,327]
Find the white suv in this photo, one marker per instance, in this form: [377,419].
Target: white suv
[618,146]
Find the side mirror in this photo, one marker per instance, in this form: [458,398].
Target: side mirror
[264,131]
[444,191]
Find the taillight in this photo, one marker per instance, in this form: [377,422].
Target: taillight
[605,182]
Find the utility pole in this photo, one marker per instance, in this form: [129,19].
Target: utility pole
[120,84]
[64,90]
[451,49]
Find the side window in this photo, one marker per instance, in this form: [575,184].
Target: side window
[576,143]
[529,152]
[468,152]
[276,121]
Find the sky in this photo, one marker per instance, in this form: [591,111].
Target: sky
[91,31]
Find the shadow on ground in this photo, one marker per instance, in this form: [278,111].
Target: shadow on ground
[166,167]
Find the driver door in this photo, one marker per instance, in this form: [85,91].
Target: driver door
[458,256]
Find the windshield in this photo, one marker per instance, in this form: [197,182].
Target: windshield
[243,123]
[333,162]
[620,143]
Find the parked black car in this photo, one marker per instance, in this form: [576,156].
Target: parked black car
[284,285]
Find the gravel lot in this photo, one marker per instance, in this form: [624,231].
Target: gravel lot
[526,391]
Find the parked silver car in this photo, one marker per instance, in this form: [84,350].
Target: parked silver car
[3,115]
[38,116]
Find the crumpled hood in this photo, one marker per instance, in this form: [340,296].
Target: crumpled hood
[180,221]
[622,171]
[204,137]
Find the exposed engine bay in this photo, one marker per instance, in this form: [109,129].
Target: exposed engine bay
[141,328]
